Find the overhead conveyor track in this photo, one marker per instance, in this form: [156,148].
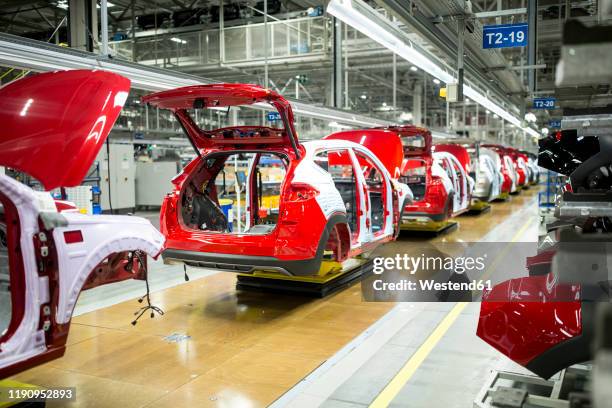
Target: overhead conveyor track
[19,52]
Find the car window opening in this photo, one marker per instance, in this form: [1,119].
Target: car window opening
[236,193]
[375,184]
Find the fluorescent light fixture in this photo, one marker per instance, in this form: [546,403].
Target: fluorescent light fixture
[369,22]
[178,40]
[364,96]
[436,81]
[414,69]
[530,117]
[108,5]
[26,106]
[345,10]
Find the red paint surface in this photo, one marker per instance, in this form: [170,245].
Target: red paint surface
[54,124]
[524,317]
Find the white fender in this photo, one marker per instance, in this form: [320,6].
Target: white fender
[103,235]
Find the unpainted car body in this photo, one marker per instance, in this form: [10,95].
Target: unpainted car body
[54,124]
[336,197]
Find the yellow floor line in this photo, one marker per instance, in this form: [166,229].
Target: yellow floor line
[398,382]
[412,365]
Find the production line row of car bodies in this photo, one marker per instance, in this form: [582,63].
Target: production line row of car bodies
[292,204]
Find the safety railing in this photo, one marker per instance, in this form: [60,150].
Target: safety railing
[286,38]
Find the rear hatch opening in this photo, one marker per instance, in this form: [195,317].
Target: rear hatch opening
[235,192]
[414,174]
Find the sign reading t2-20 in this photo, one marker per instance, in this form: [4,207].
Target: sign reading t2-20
[505,36]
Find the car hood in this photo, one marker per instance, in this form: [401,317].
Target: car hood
[54,124]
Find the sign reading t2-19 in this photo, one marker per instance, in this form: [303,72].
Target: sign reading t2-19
[504,36]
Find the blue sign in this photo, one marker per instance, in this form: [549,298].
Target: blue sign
[504,36]
[544,103]
[555,124]
[273,116]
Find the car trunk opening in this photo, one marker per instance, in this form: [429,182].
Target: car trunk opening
[415,176]
[234,193]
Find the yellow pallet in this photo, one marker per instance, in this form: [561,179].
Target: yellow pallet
[503,196]
[328,271]
[429,226]
[479,206]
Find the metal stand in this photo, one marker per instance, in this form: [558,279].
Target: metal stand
[567,389]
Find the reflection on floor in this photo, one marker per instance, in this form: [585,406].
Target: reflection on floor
[244,349]
[452,373]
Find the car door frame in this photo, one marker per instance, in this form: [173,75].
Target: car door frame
[387,229]
[357,239]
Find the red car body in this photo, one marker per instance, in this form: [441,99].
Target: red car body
[289,245]
[520,165]
[53,126]
[536,323]
[431,188]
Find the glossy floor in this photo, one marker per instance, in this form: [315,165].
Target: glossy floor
[244,349]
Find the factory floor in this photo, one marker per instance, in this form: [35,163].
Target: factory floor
[219,347]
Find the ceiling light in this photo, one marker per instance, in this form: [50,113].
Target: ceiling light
[414,69]
[384,104]
[178,40]
[108,5]
[364,96]
[368,21]
[436,81]
[530,117]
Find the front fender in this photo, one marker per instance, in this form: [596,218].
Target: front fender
[102,235]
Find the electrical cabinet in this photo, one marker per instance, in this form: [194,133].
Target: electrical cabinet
[122,171]
[153,182]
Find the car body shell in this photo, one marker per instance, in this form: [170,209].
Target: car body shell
[510,184]
[485,172]
[294,247]
[53,255]
[438,194]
